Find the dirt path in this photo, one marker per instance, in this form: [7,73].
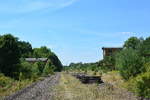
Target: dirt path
[37,91]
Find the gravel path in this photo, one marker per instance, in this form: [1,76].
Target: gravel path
[37,91]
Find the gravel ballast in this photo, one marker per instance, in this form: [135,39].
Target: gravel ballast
[40,90]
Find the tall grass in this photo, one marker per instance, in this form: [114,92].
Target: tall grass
[113,77]
[9,85]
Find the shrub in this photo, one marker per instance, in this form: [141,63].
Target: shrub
[5,81]
[25,71]
[142,85]
[129,63]
[35,69]
[109,61]
[41,66]
[147,67]
[129,84]
[49,68]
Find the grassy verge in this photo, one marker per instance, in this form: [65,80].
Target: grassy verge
[9,85]
[71,88]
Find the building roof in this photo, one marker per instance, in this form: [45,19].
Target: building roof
[36,59]
[112,47]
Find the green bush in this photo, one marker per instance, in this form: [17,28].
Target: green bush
[147,67]
[41,66]
[5,81]
[129,63]
[142,85]
[38,68]
[109,61]
[35,69]
[49,68]
[25,71]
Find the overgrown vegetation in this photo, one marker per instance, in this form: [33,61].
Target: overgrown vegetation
[129,63]
[14,69]
[13,51]
[133,65]
[71,88]
[9,85]
[132,62]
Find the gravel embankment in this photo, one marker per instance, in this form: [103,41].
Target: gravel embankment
[37,91]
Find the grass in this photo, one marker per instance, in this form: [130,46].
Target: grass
[70,88]
[8,85]
[114,78]
[13,87]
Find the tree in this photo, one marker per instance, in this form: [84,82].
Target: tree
[25,49]
[41,52]
[45,52]
[145,48]
[129,63]
[9,54]
[133,42]
[55,61]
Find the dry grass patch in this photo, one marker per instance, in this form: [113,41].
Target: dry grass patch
[71,88]
[114,78]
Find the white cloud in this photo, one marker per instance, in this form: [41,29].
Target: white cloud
[25,6]
[105,34]
[127,33]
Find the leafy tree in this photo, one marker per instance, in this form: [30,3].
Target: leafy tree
[45,52]
[41,52]
[25,49]
[145,49]
[9,54]
[129,63]
[55,61]
[133,42]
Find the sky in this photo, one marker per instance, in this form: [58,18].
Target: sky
[75,30]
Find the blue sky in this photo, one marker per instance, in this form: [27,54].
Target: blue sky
[75,30]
